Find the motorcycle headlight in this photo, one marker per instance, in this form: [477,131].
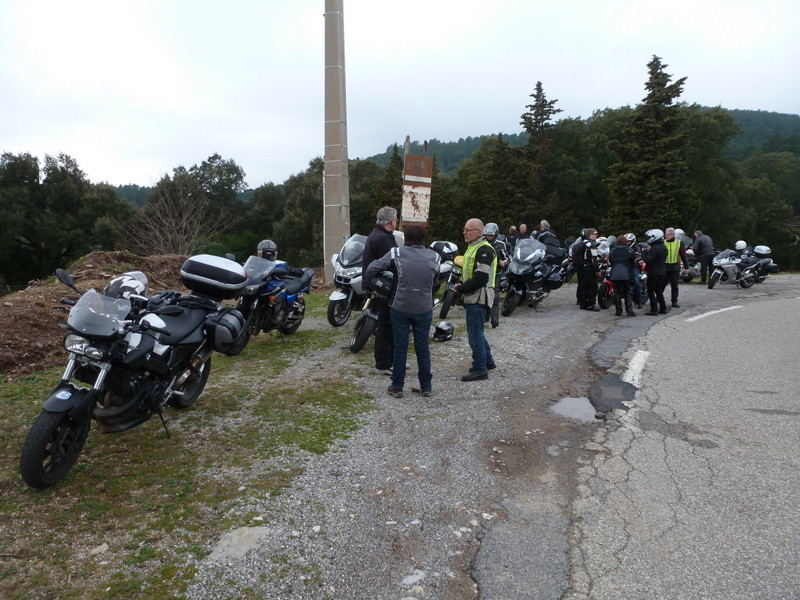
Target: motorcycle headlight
[80,345]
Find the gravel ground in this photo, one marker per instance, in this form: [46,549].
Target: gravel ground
[461,495]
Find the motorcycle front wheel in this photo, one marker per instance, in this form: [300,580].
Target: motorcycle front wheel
[53,445]
[604,295]
[188,393]
[339,311]
[362,332]
[295,318]
[447,302]
[510,302]
[712,281]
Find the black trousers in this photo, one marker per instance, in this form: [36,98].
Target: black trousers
[655,292]
[673,279]
[587,287]
[623,289]
[384,340]
[705,266]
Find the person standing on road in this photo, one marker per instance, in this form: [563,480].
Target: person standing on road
[676,255]
[703,247]
[416,268]
[480,268]
[656,259]
[490,235]
[621,259]
[378,243]
[584,258]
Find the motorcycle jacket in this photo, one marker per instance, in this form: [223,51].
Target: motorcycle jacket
[480,269]
[378,243]
[416,268]
[656,259]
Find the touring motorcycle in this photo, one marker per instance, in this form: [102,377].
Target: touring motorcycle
[535,270]
[128,356]
[742,269]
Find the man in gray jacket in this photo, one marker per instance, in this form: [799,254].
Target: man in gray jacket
[703,248]
[416,269]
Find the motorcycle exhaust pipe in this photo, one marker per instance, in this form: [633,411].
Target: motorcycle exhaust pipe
[197,361]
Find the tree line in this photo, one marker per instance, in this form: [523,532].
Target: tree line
[661,163]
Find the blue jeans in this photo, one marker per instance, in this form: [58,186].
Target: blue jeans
[421,326]
[481,352]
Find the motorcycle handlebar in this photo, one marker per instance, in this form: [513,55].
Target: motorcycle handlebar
[68,301]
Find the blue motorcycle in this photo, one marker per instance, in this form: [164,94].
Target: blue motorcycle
[272,298]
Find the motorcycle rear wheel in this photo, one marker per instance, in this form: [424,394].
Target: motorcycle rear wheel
[510,302]
[604,296]
[362,332]
[295,319]
[747,282]
[191,388]
[447,302]
[712,281]
[53,445]
[339,312]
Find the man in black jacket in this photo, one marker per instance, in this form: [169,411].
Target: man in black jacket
[378,243]
[656,258]
[703,247]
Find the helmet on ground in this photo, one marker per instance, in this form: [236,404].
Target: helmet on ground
[630,238]
[443,331]
[267,249]
[491,229]
[132,282]
[654,235]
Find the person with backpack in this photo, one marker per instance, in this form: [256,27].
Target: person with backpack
[584,257]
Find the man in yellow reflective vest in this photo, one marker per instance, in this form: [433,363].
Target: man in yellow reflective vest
[480,268]
[676,254]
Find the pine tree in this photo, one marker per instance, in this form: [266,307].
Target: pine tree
[648,183]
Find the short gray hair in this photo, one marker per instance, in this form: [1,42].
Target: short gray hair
[670,230]
[386,215]
[544,225]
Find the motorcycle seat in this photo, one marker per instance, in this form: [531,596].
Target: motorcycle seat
[182,326]
[297,283]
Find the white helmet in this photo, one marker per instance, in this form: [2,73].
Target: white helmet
[679,233]
[491,229]
[654,235]
[741,245]
[132,282]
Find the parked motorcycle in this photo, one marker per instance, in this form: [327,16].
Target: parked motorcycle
[451,296]
[381,287]
[349,294]
[535,271]
[694,267]
[760,262]
[447,252]
[731,266]
[128,356]
[272,299]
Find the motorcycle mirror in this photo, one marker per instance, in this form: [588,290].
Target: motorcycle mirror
[333,258]
[230,256]
[66,279]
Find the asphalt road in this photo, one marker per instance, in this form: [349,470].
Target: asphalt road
[686,490]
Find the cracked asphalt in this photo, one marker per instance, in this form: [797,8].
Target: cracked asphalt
[686,490]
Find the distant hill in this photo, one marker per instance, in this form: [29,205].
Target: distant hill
[764,130]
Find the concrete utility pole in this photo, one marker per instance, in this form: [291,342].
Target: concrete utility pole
[336,178]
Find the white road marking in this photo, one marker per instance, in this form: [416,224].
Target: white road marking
[635,368]
[713,312]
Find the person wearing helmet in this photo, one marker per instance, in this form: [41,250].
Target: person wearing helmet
[411,306]
[379,242]
[638,298]
[676,255]
[480,268]
[656,259]
[490,232]
[621,259]
[684,239]
[703,247]
[585,259]
[267,249]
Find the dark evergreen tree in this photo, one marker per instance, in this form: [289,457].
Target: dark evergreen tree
[648,183]
[388,190]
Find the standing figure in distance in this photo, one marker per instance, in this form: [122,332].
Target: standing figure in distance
[703,247]
[656,259]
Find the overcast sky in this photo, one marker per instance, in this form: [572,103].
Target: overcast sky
[132,89]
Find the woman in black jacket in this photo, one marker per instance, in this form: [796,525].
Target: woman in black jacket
[656,259]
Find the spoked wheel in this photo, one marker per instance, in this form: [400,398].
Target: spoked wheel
[604,295]
[53,445]
[190,391]
[510,302]
[447,303]
[362,332]
[712,281]
[339,311]
[296,318]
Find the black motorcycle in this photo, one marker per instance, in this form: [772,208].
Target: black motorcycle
[128,357]
[535,270]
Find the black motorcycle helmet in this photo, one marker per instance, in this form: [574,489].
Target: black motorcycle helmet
[443,331]
[267,249]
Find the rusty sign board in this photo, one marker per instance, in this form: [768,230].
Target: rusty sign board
[417,178]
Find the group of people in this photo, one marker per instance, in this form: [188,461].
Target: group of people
[416,268]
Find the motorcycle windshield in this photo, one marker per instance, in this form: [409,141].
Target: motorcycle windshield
[352,251]
[256,267]
[529,251]
[98,315]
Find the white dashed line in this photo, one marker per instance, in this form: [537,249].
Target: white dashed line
[635,368]
[713,312]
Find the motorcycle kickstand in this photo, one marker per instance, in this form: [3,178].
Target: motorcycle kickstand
[163,421]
